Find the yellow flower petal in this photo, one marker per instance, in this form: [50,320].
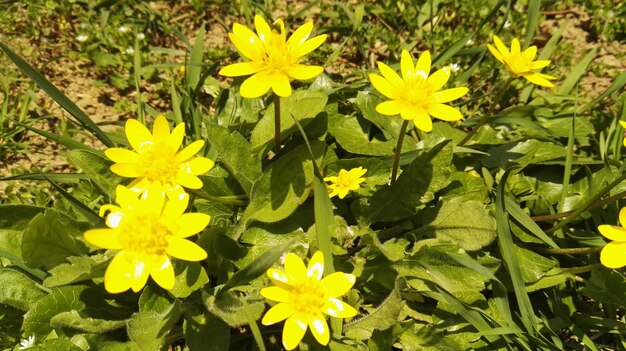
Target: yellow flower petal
[495,53]
[294,266]
[622,212]
[175,140]
[197,166]
[160,129]
[280,84]
[438,79]
[406,65]
[185,249]
[301,34]
[339,309]
[139,274]
[389,108]
[191,223]
[612,232]
[293,331]
[316,265]
[120,155]
[278,277]
[390,75]
[188,180]
[299,50]
[423,63]
[277,313]
[319,328]
[246,42]
[450,94]
[445,112]
[421,119]
[303,72]
[125,170]
[334,179]
[189,151]
[538,79]
[255,86]
[241,69]
[530,53]
[515,47]
[104,238]
[139,185]
[277,294]
[338,283]
[382,85]
[504,51]
[540,64]
[138,135]
[613,255]
[117,277]
[262,28]
[163,273]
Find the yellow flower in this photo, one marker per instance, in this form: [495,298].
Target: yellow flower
[156,162]
[520,63]
[623,124]
[345,181]
[304,297]
[273,59]
[416,95]
[613,255]
[146,231]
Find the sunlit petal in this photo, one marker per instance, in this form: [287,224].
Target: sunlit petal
[613,255]
[190,224]
[118,276]
[140,271]
[197,166]
[450,94]
[540,64]
[339,309]
[128,170]
[389,108]
[175,139]
[262,28]
[406,65]
[294,330]
[275,293]
[162,272]
[242,69]
[423,64]
[300,50]
[382,85]
[160,129]
[495,53]
[304,72]
[501,47]
[280,84]
[138,135]
[277,313]
[301,34]
[246,42]
[445,112]
[338,283]
[188,180]
[316,265]
[319,328]
[294,265]
[255,86]
[612,232]
[120,155]
[421,119]
[390,75]
[515,47]
[438,79]
[189,151]
[536,78]
[103,238]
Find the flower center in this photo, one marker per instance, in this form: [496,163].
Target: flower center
[143,233]
[308,296]
[417,92]
[519,64]
[158,164]
[345,181]
[277,56]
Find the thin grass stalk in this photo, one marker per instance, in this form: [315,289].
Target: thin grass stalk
[277,122]
[396,159]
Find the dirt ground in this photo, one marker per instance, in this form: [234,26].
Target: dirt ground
[79,81]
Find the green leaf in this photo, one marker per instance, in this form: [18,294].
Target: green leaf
[97,168]
[466,223]
[63,299]
[81,321]
[149,329]
[57,96]
[190,276]
[78,269]
[607,286]
[390,125]
[229,307]
[416,185]
[303,105]
[55,345]
[382,317]
[17,290]
[532,265]
[14,220]
[284,186]
[205,332]
[577,72]
[257,267]
[429,338]
[50,239]
[236,154]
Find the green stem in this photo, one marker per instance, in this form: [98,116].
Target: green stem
[487,115]
[396,159]
[277,122]
[587,205]
[571,251]
[582,269]
[567,213]
[234,200]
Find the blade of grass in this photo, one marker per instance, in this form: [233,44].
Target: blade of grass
[57,96]
[507,250]
[67,142]
[577,72]
[81,208]
[534,6]
[63,177]
[619,83]
[525,221]
[254,327]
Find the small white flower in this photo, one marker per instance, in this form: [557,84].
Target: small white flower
[123,29]
[130,50]
[26,343]
[470,42]
[141,36]
[82,37]
[507,24]
[455,67]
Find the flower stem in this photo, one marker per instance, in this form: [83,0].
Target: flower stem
[582,269]
[587,205]
[571,251]
[487,115]
[597,204]
[277,122]
[396,159]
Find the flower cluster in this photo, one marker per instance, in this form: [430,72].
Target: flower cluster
[345,182]
[149,225]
